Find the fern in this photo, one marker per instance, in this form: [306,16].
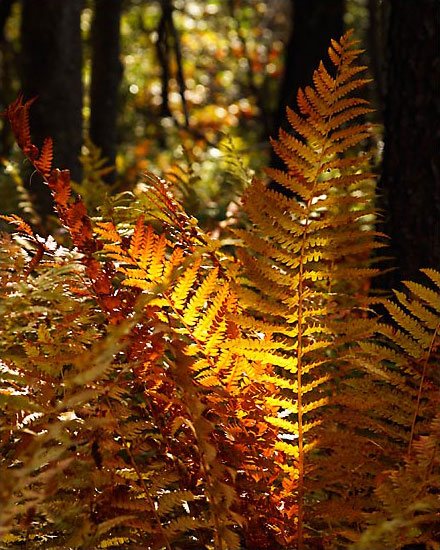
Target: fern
[409,502]
[302,250]
[161,392]
[196,301]
[407,359]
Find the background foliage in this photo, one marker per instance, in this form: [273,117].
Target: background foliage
[188,373]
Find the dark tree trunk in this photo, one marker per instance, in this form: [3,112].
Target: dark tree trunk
[315,22]
[7,60]
[51,70]
[106,77]
[410,183]
[376,47]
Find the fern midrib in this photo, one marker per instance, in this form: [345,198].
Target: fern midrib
[301,457]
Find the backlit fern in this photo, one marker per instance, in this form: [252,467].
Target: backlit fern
[159,392]
[305,257]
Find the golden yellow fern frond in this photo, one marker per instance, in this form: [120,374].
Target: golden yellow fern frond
[219,301]
[307,257]
[418,316]
[433,275]
[147,248]
[424,294]
[157,263]
[409,323]
[107,231]
[419,310]
[184,285]
[137,239]
[198,301]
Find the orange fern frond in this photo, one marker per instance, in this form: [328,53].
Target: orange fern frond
[18,115]
[44,162]
[22,226]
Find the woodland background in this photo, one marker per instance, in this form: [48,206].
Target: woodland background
[164,86]
[227,381]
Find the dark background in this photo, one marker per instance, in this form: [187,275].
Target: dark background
[165,85]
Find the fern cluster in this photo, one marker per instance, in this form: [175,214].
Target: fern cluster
[162,390]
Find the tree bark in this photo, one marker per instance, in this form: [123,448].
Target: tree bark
[7,65]
[378,12]
[51,69]
[106,78]
[314,24]
[410,183]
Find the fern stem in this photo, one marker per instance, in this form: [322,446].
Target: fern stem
[299,403]
[300,533]
[419,393]
[309,205]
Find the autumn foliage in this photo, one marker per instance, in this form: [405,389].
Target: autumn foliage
[165,389]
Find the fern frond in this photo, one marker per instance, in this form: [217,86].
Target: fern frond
[201,331]
[433,275]
[197,302]
[22,226]
[185,284]
[168,501]
[424,294]
[308,254]
[44,162]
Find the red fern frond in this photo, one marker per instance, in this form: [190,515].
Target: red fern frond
[22,226]
[18,115]
[44,163]
[59,183]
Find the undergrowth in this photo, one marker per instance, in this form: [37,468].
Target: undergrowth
[168,388]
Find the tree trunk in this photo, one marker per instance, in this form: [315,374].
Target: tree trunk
[378,12]
[410,183]
[7,65]
[51,70]
[314,23]
[106,77]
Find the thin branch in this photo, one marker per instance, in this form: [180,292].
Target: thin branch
[167,30]
[419,393]
[180,77]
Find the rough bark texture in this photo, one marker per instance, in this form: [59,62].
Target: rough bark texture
[106,77]
[51,70]
[410,183]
